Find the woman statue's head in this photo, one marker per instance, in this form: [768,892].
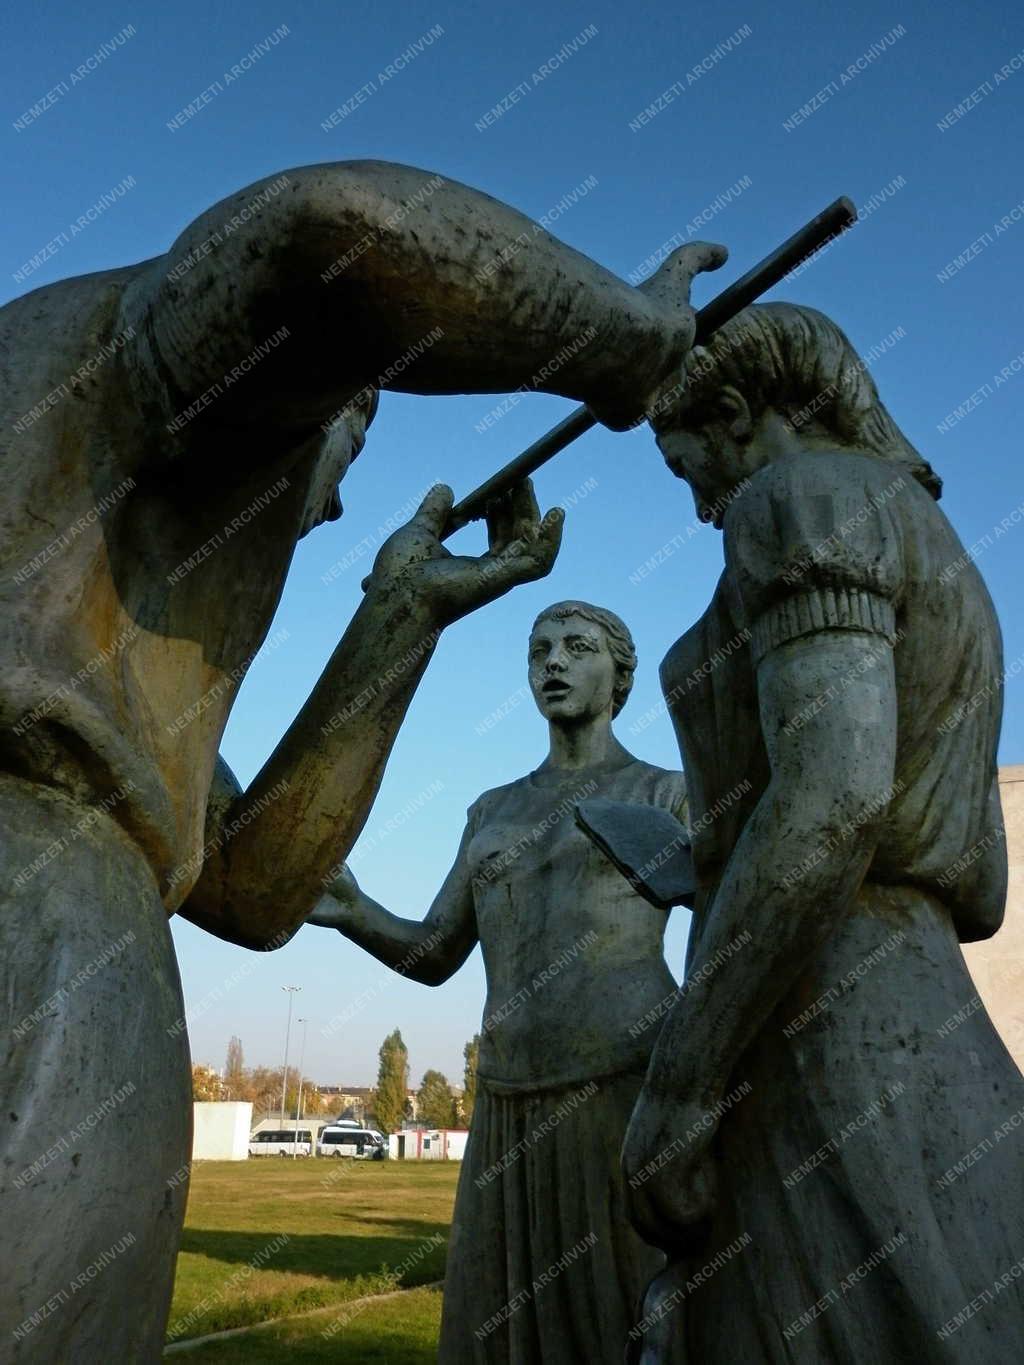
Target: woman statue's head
[777,376]
[581,662]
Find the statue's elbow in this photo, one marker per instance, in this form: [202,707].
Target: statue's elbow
[429,973]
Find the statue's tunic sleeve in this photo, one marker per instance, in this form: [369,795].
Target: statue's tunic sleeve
[813,546]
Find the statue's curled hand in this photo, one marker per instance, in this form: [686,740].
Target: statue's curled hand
[522,546]
[669,1170]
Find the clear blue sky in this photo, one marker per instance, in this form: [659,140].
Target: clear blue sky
[861,137]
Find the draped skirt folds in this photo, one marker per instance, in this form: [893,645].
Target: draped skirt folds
[97,1097]
[544,1267]
[870,1172]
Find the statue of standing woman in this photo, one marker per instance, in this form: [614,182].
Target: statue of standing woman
[543,1264]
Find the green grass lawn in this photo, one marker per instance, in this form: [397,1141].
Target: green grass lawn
[399,1330]
[271,1237]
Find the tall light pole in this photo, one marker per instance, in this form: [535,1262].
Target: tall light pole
[287,1034]
[298,1106]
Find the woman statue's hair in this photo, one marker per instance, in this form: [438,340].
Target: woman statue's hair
[620,642]
[798,362]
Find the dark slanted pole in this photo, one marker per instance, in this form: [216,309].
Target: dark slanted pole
[822,229]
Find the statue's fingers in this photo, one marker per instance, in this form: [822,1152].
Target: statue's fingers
[698,256]
[500,524]
[541,544]
[432,513]
[525,511]
[524,560]
[546,537]
[672,280]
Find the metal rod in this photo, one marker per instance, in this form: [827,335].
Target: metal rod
[822,229]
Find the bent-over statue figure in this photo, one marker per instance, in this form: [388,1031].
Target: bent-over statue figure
[798,1147]
[163,450]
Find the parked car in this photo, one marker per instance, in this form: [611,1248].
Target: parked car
[276,1142]
[364,1143]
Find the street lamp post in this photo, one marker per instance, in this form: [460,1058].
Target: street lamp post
[287,1035]
[298,1106]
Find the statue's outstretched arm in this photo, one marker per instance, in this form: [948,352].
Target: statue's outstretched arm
[269,848]
[361,273]
[428,950]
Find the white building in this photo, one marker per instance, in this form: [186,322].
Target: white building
[220,1130]
[997,963]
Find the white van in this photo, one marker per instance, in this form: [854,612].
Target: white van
[364,1143]
[276,1142]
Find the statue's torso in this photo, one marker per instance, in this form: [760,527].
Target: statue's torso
[574,957]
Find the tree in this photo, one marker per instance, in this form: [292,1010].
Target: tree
[392,1083]
[435,1104]
[471,1052]
[262,1085]
[310,1100]
[234,1071]
[206,1084]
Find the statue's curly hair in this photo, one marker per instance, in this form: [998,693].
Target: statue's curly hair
[797,361]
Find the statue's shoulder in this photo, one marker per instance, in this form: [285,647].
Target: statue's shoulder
[63,331]
[643,771]
[835,476]
[649,784]
[495,797]
[76,296]
[819,521]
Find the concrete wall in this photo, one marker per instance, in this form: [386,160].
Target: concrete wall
[997,964]
[221,1130]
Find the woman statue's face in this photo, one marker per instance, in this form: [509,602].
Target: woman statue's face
[572,673]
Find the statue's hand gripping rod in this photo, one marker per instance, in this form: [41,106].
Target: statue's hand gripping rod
[828,224]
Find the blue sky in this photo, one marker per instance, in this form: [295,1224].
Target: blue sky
[930,195]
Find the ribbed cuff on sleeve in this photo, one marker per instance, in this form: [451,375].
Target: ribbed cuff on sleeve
[822,609]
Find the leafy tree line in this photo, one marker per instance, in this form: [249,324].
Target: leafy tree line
[437,1105]
[261,1085]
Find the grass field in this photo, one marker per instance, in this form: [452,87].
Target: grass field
[400,1330]
[271,1237]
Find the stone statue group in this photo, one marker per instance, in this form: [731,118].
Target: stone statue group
[764,1164]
